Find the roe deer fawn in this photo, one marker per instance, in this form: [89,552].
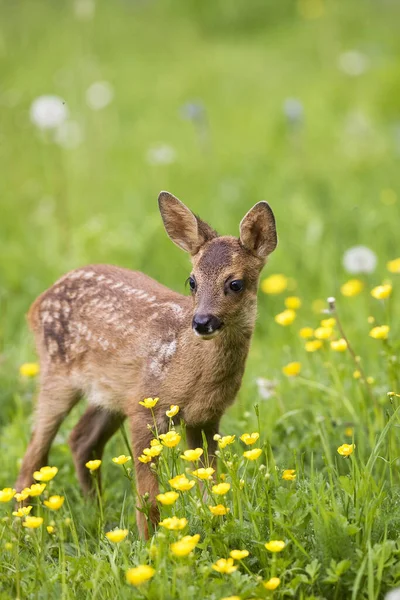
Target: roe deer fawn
[116,336]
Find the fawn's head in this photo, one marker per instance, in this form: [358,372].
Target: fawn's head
[225,269]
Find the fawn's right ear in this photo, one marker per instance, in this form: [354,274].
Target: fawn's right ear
[183,227]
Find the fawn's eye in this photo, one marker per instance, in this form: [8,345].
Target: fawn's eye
[192,283]
[236,285]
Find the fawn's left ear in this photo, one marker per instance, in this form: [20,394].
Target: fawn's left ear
[258,230]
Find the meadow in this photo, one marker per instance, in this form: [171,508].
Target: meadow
[223,104]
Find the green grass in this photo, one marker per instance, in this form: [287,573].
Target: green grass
[325,179]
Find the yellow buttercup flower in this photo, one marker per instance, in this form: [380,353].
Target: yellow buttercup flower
[185,545]
[331,322]
[293,302]
[174,523]
[291,369]
[32,522]
[204,473]
[380,332]
[393,265]
[45,474]
[225,441]
[250,438]
[306,332]
[173,410]
[323,333]
[168,498]
[54,502]
[50,529]
[7,494]
[29,369]
[239,554]
[170,439]
[272,583]
[192,455]
[356,374]
[286,317]
[221,488]
[274,284]
[144,459]
[371,380]
[353,287]
[138,575]
[231,598]
[154,442]
[22,512]
[36,489]
[339,345]
[225,565]
[313,345]
[149,402]
[252,454]
[117,535]
[289,474]
[275,545]
[22,495]
[381,292]
[349,431]
[181,483]
[346,449]
[121,459]
[153,451]
[93,465]
[219,511]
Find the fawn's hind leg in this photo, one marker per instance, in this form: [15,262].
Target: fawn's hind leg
[88,439]
[55,401]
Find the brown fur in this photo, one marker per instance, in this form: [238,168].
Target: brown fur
[116,336]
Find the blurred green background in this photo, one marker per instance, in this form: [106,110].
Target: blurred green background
[222,103]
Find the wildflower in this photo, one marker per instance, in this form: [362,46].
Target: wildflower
[225,440]
[154,442]
[170,439]
[353,287]
[36,489]
[174,523]
[274,284]
[289,474]
[393,265]
[250,438]
[185,545]
[153,451]
[266,387]
[50,529]
[292,302]
[349,431]
[239,554]
[272,583]
[225,565]
[7,494]
[231,598]
[221,488]
[339,345]
[253,454]
[286,317]
[22,495]
[323,333]
[149,402]
[93,464]
[356,374]
[275,545]
[380,333]
[117,535]
[173,410]
[144,459]
[54,502]
[306,332]
[48,112]
[22,511]
[192,455]
[381,292]
[138,575]
[32,522]
[181,483]
[45,474]
[219,511]
[346,449]
[291,369]
[168,498]
[29,369]
[331,322]
[204,473]
[313,345]
[121,459]
[8,546]
[371,380]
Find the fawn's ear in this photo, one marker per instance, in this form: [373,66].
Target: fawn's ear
[183,227]
[258,230]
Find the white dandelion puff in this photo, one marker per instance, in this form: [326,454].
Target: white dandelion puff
[99,95]
[359,259]
[48,112]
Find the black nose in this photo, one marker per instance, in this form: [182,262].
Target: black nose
[206,324]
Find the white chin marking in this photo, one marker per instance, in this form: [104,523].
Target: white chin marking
[208,336]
